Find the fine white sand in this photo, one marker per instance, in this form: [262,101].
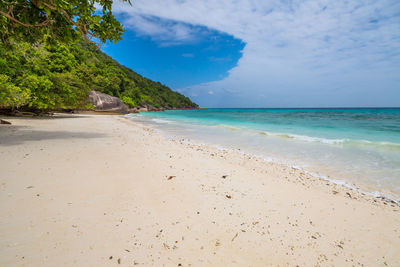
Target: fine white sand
[96,190]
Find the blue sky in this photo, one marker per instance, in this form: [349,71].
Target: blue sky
[227,53]
[207,58]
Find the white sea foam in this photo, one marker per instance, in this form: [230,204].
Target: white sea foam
[304,138]
[314,139]
[160,121]
[347,142]
[229,127]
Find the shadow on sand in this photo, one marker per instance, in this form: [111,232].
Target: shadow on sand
[46,117]
[18,135]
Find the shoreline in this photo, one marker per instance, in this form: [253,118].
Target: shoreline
[200,205]
[354,186]
[337,182]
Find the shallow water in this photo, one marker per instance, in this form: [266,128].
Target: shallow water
[358,146]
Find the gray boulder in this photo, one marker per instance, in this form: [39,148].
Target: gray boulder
[104,102]
[152,108]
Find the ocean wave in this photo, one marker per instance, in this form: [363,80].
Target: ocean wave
[304,138]
[345,142]
[379,145]
[387,146]
[160,120]
[229,127]
[342,142]
[313,139]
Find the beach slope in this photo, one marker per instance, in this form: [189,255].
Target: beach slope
[99,190]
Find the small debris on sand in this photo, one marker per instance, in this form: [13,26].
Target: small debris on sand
[228,196]
[170,177]
[235,237]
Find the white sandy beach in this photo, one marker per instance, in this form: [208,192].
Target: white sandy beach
[99,190]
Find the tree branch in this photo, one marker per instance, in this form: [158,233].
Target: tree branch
[81,28]
[66,15]
[44,23]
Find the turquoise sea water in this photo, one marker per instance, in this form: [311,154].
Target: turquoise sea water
[359,147]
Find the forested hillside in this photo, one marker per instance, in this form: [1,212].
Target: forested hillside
[57,75]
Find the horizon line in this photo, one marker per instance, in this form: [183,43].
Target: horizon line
[303,108]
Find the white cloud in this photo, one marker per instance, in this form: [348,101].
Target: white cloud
[302,53]
[166,32]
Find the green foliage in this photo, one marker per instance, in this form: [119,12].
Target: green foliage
[33,20]
[11,95]
[40,77]
[40,88]
[53,75]
[45,64]
[127,100]
[107,76]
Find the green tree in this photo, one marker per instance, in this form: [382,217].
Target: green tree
[32,20]
[12,96]
[53,75]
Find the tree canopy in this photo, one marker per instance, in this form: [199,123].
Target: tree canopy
[48,63]
[61,19]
